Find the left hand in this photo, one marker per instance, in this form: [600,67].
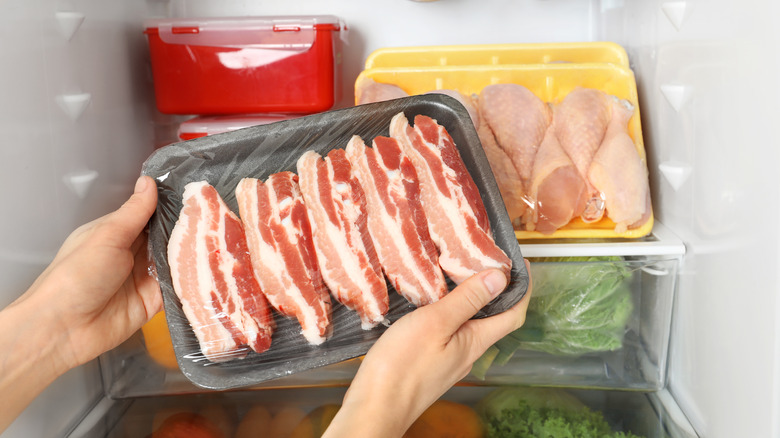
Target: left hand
[98,290]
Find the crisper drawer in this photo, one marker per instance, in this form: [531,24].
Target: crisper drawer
[600,317]
[593,322]
[472,412]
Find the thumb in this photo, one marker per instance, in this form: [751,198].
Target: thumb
[131,218]
[468,298]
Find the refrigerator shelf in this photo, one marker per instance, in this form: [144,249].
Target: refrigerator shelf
[660,242]
[651,415]
[638,279]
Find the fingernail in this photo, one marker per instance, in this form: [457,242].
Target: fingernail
[495,282]
[140,185]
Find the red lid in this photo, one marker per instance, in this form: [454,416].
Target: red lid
[287,32]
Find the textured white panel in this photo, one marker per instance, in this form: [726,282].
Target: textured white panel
[675,173]
[675,12]
[676,95]
[74,104]
[708,91]
[74,111]
[69,22]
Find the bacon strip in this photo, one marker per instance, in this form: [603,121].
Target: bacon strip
[212,275]
[282,253]
[337,212]
[457,220]
[396,220]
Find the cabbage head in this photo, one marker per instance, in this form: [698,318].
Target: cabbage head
[577,307]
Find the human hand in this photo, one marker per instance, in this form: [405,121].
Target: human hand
[98,289]
[422,355]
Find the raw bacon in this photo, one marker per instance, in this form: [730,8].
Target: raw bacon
[336,206]
[282,253]
[396,220]
[457,220]
[212,275]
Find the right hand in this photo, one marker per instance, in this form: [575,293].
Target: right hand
[422,355]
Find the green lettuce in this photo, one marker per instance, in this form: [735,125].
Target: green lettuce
[538,412]
[579,305]
[579,308]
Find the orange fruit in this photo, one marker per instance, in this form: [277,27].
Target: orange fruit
[158,341]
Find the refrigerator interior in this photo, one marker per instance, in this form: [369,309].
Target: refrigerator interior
[79,119]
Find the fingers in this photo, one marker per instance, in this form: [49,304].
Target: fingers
[486,332]
[468,298]
[146,282]
[130,219]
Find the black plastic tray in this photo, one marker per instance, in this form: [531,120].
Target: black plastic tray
[260,151]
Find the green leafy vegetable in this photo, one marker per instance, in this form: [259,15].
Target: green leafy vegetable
[577,307]
[544,413]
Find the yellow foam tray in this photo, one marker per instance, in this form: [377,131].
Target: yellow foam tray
[551,83]
[498,54]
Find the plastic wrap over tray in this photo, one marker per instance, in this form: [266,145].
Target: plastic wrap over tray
[260,151]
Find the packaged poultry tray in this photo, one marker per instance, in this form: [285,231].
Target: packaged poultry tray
[498,54]
[564,140]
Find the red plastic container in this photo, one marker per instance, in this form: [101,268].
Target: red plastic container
[246,64]
[201,126]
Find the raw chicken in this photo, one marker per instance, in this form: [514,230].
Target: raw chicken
[507,177]
[557,189]
[519,120]
[338,216]
[212,275]
[370,91]
[457,220]
[581,121]
[619,172]
[280,245]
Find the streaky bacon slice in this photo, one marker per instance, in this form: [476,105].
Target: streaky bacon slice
[457,220]
[212,275]
[336,206]
[396,220]
[282,252]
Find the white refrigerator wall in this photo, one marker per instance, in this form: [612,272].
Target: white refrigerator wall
[77,117]
[75,123]
[707,75]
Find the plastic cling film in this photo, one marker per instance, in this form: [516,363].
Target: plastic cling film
[260,151]
[543,196]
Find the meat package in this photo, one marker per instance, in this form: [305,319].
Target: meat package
[267,174]
[563,140]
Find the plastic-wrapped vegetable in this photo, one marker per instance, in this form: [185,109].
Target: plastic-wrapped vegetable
[579,307]
[576,308]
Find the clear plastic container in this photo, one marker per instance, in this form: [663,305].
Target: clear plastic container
[600,323]
[307,412]
[242,65]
